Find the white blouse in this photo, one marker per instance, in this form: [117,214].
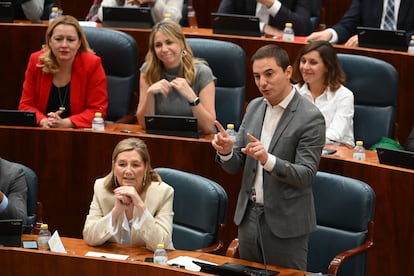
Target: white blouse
[337,107]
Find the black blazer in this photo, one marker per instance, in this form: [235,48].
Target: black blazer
[295,11]
[368,13]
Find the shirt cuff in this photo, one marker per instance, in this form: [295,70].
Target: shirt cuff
[225,157]
[4,203]
[270,163]
[334,38]
[275,8]
[140,221]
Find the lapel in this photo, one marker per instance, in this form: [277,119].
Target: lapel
[257,129]
[284,121]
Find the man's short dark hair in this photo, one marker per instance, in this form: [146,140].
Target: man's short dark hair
[273,51]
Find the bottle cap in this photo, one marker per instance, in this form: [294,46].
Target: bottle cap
[160,246]
[230,125]
[98,114]
[288,25]
[412,37]
[55,9]
[44,226]
[359,143]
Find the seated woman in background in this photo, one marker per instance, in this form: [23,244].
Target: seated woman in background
[173,81]
[158,8]
[131,205]
[65,83]
[319,78]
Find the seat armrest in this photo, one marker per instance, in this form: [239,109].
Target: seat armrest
[233,249]
[338,259]
[218,244]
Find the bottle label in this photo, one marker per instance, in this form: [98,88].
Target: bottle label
[160,260]
[359,155]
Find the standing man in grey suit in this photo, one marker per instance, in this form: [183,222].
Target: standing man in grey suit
[13,191]
[278,146]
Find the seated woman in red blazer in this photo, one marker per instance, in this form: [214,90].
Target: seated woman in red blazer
[65,83]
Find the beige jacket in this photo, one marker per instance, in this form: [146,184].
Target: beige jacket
[154,228]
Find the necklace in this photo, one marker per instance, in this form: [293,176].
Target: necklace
[62,102]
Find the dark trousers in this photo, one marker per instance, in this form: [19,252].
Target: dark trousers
[258,244]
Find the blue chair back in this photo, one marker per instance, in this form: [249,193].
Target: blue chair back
[118,51]
[344,206]
[228,62]
[374,83]
[32,197]
[200,206]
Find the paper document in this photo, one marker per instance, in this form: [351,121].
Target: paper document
[106,255]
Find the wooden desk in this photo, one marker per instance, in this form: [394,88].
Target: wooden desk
[23,39]
[22,262]
[68,161]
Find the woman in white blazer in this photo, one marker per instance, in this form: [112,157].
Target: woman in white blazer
[131,204]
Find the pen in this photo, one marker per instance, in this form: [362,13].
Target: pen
[130,131]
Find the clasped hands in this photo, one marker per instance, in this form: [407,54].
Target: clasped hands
[223,144]
[164,87]
[53,120]
[125,196]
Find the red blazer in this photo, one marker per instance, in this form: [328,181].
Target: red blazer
[88,89]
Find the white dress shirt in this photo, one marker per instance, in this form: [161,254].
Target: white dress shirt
[270,122]
[263,12]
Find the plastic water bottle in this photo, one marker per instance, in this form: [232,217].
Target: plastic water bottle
[43,237]
[53,14]
[98,122]
[411,45]
[231,131]
[288,33]
[160,255]
[359,151]
[191,15]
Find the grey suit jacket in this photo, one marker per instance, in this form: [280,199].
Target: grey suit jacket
[287,190]
[13,185]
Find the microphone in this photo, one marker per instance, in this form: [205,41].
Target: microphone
[253,198]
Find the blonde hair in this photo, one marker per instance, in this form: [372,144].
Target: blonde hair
[154,66]
[48,61]
[140,147]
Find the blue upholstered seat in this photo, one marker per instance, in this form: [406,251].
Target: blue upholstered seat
[200,209]
[344,211]
[118,51]
[32,198]
[374,83]
[228,62]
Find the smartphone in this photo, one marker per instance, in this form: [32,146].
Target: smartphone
[328,151]
[29,244]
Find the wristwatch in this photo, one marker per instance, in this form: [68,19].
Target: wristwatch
[196,102]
